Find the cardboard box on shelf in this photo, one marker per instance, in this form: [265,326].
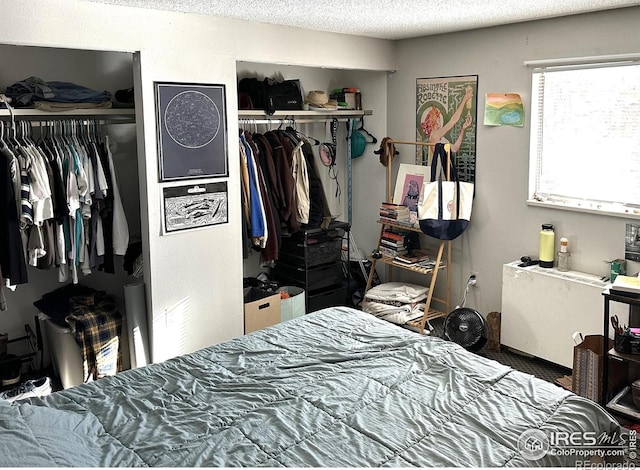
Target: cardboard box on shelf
[261,309]
[352,100]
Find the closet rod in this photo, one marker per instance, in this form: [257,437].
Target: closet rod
[425,144]
[290,121]
[99,120]
[36,121]
[110,114]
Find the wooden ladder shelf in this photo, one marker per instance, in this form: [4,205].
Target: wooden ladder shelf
[442,258]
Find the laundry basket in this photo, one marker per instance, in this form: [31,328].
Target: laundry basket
[294,305]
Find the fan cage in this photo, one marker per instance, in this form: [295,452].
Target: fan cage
[466,327]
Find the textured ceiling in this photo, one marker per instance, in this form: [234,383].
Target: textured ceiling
[387,19]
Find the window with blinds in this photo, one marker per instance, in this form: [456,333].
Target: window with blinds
[585,138]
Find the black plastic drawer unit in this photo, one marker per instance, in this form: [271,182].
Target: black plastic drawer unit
[316,278]
[313,259]
[312,250]
[327,298]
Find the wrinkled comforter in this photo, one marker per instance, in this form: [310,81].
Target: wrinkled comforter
[337,388]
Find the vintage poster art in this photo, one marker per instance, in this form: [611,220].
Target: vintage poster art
[503,109]
[192,131]
[446,110]
[195,206]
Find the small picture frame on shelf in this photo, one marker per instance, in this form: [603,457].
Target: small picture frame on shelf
[408,185]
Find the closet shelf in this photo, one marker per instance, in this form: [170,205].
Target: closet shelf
[300,116]
[111,114]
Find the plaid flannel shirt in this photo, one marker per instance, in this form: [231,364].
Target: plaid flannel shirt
[97,325]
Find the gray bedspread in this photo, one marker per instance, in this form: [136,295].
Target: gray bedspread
[334,388]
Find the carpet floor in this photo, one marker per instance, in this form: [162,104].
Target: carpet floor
[530,365]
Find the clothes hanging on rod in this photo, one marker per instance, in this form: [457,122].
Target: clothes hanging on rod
[266,172]
[255,206]
[286,195]
[61,203]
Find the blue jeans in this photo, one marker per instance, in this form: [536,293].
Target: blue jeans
[25,92]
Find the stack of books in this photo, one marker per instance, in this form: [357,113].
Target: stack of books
[415,258]
[392,243]
[628,286]
[395,213]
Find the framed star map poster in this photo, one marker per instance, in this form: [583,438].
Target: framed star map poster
[192,131]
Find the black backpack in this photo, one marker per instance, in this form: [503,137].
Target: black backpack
[285,95]
[269,95]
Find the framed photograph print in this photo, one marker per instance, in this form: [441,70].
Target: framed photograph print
[409,183]
[192,131]
[195,206]
[446,110]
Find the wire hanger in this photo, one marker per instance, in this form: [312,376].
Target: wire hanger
[311,140]
[11,132]
[368,134]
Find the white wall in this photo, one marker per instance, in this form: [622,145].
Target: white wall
[503,227]
[194,280]
[87,25]
[192,274]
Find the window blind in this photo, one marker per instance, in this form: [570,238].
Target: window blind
[585,137]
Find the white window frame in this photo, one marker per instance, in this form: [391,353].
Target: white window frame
[535,198]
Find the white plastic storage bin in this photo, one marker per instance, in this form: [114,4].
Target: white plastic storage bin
[65,352]
[294,306]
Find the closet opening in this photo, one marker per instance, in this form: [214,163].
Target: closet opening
[344,178]
[100,140]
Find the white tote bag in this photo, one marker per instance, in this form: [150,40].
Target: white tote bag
[444,207]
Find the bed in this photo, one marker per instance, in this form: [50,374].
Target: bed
[334,388]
